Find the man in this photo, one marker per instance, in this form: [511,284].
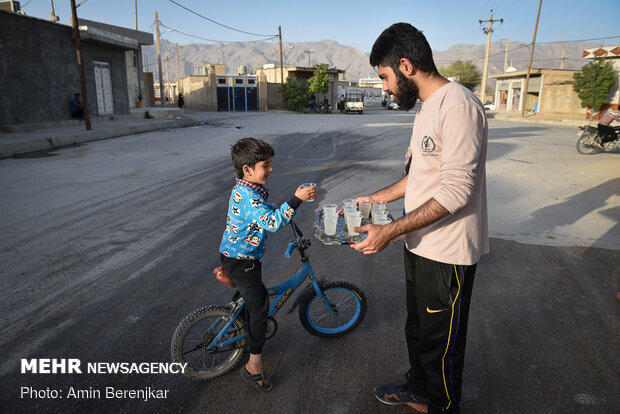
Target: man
[604,126]
[445,222]
[77,110]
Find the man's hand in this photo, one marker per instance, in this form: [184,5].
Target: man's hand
[363,198]
[378,238]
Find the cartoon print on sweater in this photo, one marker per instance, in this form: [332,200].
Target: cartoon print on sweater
[249,220]
[237,197]
[252,239]
[272,222]
[254,227]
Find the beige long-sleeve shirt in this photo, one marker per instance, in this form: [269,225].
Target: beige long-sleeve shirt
[449,148]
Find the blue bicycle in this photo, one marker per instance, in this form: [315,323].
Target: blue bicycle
[212,339]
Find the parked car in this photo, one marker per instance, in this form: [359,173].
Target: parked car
[353,101]
[393,106]
[489,106]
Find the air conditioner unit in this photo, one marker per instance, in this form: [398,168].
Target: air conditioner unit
[12,6]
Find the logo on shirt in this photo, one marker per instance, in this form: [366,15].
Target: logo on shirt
[428,145]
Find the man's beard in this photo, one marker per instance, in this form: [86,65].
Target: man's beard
[407,91]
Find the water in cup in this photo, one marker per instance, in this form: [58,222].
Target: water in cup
[379,205]
[330,222]
[330,208]
[365,208]
[349,202]
[306,185]
[355,220]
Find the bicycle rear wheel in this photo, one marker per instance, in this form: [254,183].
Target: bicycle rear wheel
[196,331]
[349,305]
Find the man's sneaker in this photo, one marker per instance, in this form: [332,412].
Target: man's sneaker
[400,394]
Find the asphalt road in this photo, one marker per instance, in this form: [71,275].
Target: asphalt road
[105,247]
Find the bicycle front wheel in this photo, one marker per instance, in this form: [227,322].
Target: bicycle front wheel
[196,332]
[348,303]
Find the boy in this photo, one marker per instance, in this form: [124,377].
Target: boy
[243,242]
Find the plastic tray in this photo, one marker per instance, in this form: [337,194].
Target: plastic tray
[342,235]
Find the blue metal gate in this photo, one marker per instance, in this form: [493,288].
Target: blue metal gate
[237,93]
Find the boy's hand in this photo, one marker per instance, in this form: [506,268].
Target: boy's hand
[305,194]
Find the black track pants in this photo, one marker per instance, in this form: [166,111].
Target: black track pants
[246,274]
[438,297]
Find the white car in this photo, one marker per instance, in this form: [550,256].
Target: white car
[489,106]
[393,105]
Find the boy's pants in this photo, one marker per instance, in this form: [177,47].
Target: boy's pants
[438,297]
[246,274]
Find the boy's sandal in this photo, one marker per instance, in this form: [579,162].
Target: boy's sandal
[253,379]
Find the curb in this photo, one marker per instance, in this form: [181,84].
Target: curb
[57,140]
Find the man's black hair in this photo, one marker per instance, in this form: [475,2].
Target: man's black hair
[402,40]
[249,151]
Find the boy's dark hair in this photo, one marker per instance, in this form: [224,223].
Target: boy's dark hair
[402,40]
[249,151]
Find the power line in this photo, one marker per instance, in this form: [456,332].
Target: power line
[213,21]
[213,40]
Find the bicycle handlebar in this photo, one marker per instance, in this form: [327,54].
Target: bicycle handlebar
[291,247]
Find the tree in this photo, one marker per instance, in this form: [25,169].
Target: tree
[594,83]
[319,81]
[465,72]
[295,94]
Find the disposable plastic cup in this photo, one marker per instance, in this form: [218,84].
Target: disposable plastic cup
[330,223]
[377,217]
[354,221]
[365,208]
[383,222]
[379,205]
[349,202]
[306,185]
[330,208]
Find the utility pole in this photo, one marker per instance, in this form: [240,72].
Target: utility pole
[178,72]
[308,52]
[161,79]
[80,63]
[529,66]
[281,66]
[506,56]
[136,8]
[488,32]
[53,16]
[167,76]
[563,59]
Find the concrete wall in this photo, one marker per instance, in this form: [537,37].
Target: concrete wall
[557,96]
[199,92]
[39,74]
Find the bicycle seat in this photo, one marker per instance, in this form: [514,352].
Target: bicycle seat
[222,277]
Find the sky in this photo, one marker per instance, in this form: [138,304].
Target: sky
[352,23]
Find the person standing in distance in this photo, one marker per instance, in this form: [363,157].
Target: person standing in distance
[445,222]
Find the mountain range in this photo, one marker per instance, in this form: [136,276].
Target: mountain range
[254,55]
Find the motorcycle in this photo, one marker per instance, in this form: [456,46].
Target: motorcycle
[589,141]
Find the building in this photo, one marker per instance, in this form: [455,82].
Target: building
[612,53]
[300,73]
[549,91]
[39,72]
[370,82]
